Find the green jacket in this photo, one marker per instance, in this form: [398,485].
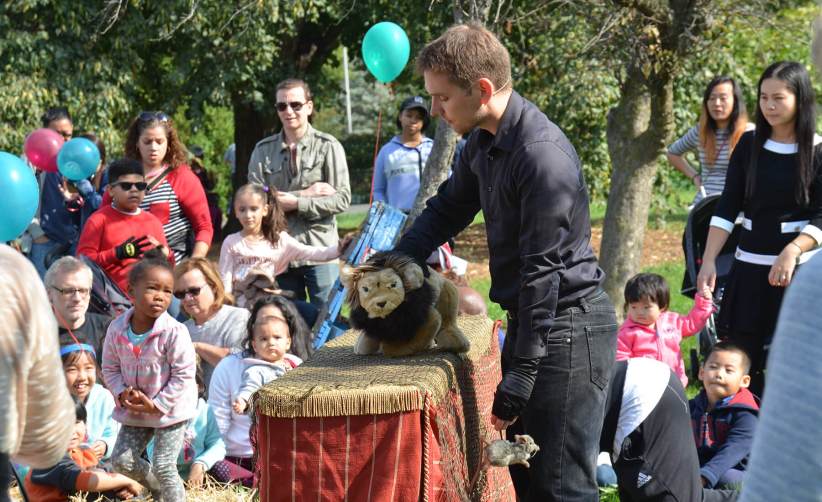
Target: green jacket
[320,157]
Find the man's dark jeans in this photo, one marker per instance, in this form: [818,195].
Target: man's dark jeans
[566,409]
[5,477]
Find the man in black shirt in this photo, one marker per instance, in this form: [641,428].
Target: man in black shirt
[68,283]
[522,172]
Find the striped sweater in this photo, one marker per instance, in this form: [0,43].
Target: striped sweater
[712,173]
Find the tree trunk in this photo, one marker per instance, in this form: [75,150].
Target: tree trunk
[638,129]
[250,126]
[436,168]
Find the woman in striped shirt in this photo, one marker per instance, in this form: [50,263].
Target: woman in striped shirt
[175,195]
[721,124]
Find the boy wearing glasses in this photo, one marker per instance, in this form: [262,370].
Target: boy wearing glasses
[116,236]
[309,170]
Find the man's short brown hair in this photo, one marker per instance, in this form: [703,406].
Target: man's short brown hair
[467,53]
[292,83]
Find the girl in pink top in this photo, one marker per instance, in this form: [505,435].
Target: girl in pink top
[650,330]
[263,244]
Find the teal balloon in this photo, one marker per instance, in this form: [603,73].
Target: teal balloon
[385,50]
[78,159]
[21,195]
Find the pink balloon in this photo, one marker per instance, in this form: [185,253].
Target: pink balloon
[41,149]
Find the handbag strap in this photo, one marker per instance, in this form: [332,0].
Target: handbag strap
[156,181]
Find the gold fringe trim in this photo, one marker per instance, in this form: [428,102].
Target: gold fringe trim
[337,382]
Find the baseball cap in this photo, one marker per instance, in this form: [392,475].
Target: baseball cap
[414,102]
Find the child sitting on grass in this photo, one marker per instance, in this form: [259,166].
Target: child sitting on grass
[76,472]
[724,416]
[652,331]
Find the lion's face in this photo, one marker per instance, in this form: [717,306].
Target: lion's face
[380,292]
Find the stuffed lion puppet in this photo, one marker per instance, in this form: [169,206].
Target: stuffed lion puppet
[399,310]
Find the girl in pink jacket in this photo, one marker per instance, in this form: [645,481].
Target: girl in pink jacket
[650,330]
[149,366]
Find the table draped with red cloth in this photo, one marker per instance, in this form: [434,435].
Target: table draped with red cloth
[344,427]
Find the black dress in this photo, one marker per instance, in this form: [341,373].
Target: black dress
[770,219]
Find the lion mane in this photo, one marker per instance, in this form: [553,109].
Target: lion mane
[401,324]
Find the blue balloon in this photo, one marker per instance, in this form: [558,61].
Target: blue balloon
[21,196]
[385,50]
[78,159]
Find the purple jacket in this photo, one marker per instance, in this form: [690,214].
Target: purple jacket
[163,367]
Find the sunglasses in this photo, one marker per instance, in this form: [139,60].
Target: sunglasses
[295,105]
[126,185]
[152,116]
[194,292]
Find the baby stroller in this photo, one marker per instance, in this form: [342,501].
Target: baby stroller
[693,245]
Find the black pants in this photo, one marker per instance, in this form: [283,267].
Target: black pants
[5,477]
[658,461]
[565,412]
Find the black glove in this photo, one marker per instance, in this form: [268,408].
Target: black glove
[515,389]
[132,248]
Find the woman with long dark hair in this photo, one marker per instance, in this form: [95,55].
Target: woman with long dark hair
[773,180]
[722,122]
[174,194]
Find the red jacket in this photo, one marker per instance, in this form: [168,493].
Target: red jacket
[106,229]
[187,193]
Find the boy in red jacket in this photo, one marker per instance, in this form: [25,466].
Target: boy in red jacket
[117,235]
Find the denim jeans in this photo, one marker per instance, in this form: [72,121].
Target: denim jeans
[565,412]
[38,254]
[5,477]
[317,279]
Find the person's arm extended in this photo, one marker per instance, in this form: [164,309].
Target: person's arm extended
[690,324]
[219,395]
[445,215]
[335,172]
[730,204]
[544,173]
[211,353]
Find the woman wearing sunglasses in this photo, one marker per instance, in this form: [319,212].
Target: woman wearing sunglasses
[173,193]
[215,326]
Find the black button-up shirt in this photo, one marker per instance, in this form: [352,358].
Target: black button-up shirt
[528,181]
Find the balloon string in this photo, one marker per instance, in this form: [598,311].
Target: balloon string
[376,151]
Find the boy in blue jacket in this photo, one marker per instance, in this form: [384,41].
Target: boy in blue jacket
[724,416]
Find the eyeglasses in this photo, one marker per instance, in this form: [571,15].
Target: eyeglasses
[126,185]
[69,292]
[194,292]
[152,116]
[295,105]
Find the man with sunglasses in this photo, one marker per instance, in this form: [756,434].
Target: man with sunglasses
[116,236]
[68,285]
[309,170]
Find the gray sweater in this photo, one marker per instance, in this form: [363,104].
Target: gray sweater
[786,460]
[226,329]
